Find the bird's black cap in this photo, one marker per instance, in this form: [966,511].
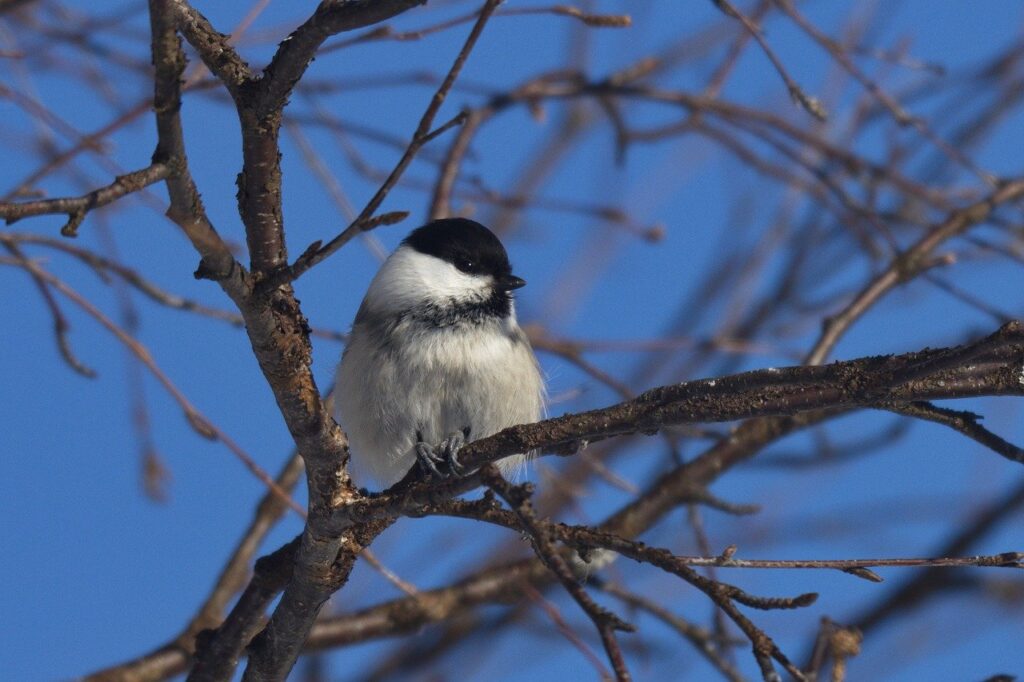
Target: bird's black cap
[467,245]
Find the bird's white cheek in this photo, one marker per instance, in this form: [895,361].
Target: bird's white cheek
[409,279]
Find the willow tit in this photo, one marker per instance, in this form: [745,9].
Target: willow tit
[436,357]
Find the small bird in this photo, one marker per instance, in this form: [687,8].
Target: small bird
[436,358]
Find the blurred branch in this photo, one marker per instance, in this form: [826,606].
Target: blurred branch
[899,114]
[810,104]
[910,263]
[199,422]
[915,590]
[387,33]
[704,641]
[174,657]
[552,611]
[60,322]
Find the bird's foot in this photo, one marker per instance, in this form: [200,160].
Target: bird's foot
[442,460]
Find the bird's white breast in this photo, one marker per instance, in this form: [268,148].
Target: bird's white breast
[429,383]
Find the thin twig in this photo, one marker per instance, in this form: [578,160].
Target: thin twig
[911,262]
[811,104]
[704,641]
[563,627]
[76,208]
[963,421]
[606,622]
[421,136]
[60,323]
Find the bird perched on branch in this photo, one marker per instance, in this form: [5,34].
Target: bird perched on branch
[436,358]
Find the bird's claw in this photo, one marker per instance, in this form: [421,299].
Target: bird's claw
[450,450]
[428,459]
[445,453]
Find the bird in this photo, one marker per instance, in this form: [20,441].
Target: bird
[436,357]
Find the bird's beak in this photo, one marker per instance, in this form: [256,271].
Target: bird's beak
[510,282]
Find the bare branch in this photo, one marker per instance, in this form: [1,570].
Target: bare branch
[911,262]
[199,423]
[606,622]
[810,104]
[214,48]
[174,657]
[704,641]
[422,135]
[60,323]
[76,208]
[962,421]
[186,205]
[297,50]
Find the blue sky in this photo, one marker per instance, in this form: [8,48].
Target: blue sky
[95,572]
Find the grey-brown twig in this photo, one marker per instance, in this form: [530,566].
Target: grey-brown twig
[606,622]
[76,208]
[421,136]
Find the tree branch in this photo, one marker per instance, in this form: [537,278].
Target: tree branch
[76,208]
[421,136]
[962,421]
[173,658]
[186,209]
[297,51]
[606,622]
[911,262]
[213,47]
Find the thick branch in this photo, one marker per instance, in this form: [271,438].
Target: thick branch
[212,46]
[297,50]
[186,205]
[276,327]
[274,651]
[786,391]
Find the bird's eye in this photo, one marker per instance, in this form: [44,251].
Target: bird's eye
[465,265]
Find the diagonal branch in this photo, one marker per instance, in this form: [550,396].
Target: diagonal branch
[910,263]
[962,421]
[297,51]
[707,643]
[60,322]
[606,622]
[186,209]
[421,136]
[196,419]
[811,104]
[213,47]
